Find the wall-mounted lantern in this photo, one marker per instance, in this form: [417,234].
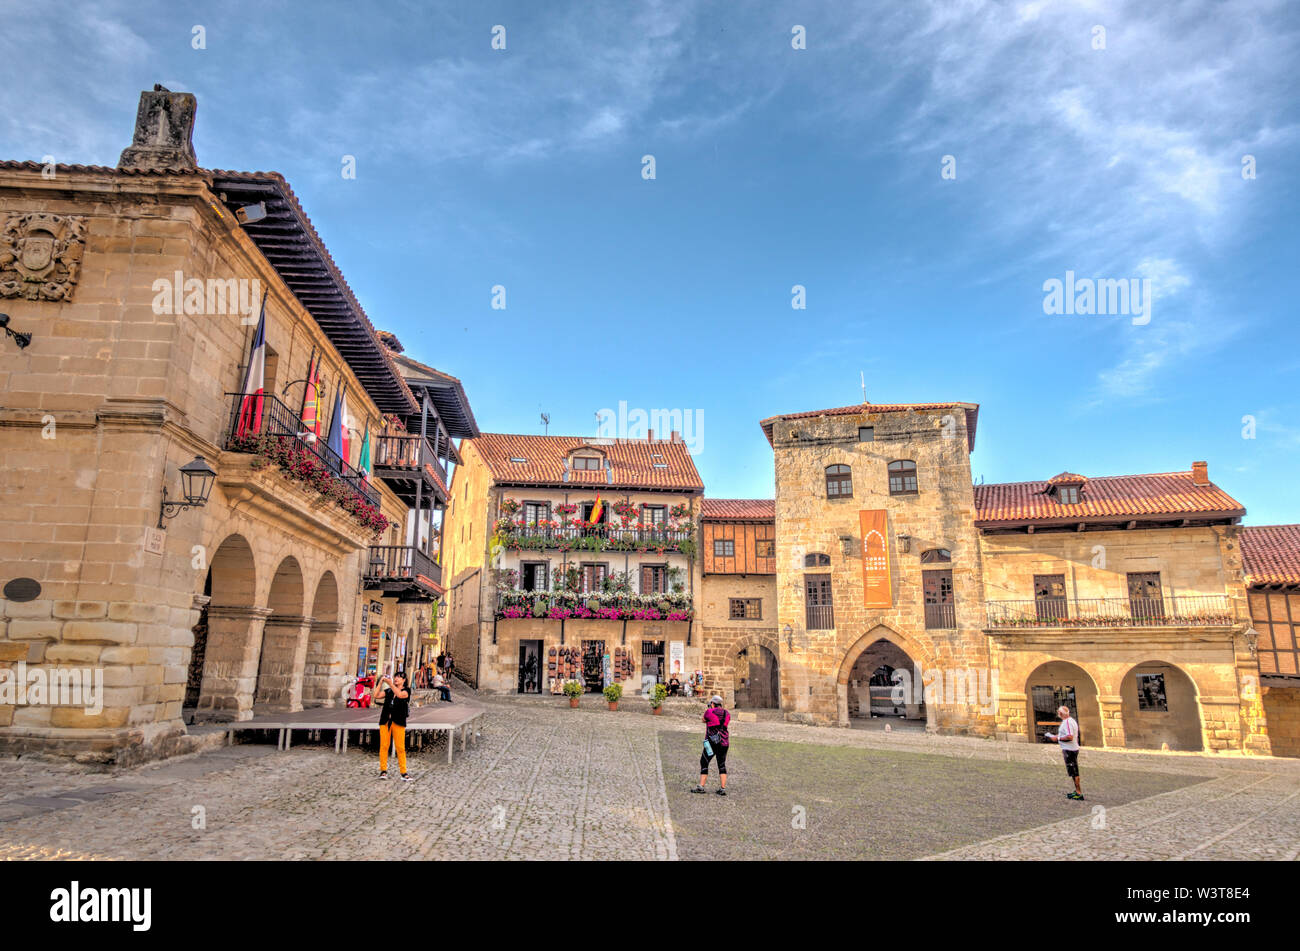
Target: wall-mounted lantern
[789,637]
[196,483]
[20,338]
[906,541]
[846,544]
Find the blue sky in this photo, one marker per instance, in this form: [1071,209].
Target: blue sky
[774,167]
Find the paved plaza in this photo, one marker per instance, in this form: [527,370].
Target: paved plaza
[547,782]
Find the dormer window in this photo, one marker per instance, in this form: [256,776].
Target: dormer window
[1066,488]
[586,462]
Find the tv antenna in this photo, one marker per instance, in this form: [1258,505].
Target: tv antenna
[546,424]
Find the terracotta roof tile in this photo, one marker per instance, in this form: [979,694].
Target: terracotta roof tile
[1067,478]
[1168,494]
[634,463]
[971,409]
[739,509]
[1271,554]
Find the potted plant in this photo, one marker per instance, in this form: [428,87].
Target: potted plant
[612,693]
[573,690]
[657,694]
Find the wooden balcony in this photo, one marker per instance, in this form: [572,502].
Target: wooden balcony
[408,461]
[404,570]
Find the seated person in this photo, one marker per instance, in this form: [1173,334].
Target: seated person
[440,685]
[674,685]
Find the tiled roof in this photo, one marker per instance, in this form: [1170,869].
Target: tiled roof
[1161,494]
[740,509]
[1271,554]
[1066,478]
[634,463]
[971,410]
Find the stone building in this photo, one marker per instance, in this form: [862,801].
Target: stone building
[565,554]
[902,590]
[142,286]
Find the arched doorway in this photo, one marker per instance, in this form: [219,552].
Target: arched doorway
[1059,683]
[1160,708]
[883,682]
[757,679]
[233,634]
[284,641]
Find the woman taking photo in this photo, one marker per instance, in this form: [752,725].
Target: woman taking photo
[716,740]
[392,722]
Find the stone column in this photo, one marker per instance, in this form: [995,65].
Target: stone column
[230,667]
[327,667]
[284,658]
[1111,707]
[1220,724]
[1012,718]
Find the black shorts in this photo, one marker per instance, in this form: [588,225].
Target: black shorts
[1071,762]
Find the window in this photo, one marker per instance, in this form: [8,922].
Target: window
[589,507]
[839,482]
[586,462]
[654,579]
[724,548]
[765,548]
[936,556]
[818,603]
[654,516]
[1067,494]
[866,434]
[936,589]
[1049,597]
[902,477]
[816,560]
[593,575]
[1151,693]
[532,575]
[746,609]
[535,512]
[1145,600]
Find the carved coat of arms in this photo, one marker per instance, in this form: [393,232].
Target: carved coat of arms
[40,256]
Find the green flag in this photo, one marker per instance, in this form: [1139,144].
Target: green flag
[363,463]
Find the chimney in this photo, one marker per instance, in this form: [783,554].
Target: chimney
[649,435]
[164,131]
[1200,474]
[676,436]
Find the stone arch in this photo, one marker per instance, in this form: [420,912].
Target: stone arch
[1056,682]
[909,646]
[755,657]
[1161,707]
[326,668]
[284,640]
[234,633]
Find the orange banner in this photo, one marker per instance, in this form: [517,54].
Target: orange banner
[875,558]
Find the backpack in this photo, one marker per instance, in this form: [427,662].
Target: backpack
[717,735]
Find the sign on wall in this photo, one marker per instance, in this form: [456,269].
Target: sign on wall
[875,558]
[677,657]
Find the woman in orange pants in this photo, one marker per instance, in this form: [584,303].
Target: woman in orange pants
[392,722]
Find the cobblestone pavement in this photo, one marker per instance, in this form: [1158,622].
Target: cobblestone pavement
[548,782]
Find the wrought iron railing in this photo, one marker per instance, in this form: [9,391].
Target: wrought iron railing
[578,605]
[1206,610]
[549,536]
[407,452]
[278,422]
[397,562]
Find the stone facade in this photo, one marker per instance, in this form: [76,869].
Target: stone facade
[112,396]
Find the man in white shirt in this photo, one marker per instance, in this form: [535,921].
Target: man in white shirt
[1067,737]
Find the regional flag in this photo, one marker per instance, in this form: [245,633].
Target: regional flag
[363,461]
[334,439]
[597,510]
[250,406]
[311,403]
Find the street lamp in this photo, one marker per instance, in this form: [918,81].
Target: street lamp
[789,637]
[21,339]
[196,483]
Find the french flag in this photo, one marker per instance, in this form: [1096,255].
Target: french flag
[250,409]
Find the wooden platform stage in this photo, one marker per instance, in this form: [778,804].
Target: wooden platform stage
[445,717]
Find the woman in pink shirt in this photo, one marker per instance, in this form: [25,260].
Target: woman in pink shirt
[716,741]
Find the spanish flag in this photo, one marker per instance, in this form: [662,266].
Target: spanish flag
[597,510]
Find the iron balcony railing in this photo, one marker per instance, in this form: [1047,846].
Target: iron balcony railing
[940,617]
[278,422]
[595,605]
[540,537]
[401,563]
[408,452]
[1205,610]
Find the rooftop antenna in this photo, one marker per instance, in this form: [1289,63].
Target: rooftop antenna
[863,374]
[546,424]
